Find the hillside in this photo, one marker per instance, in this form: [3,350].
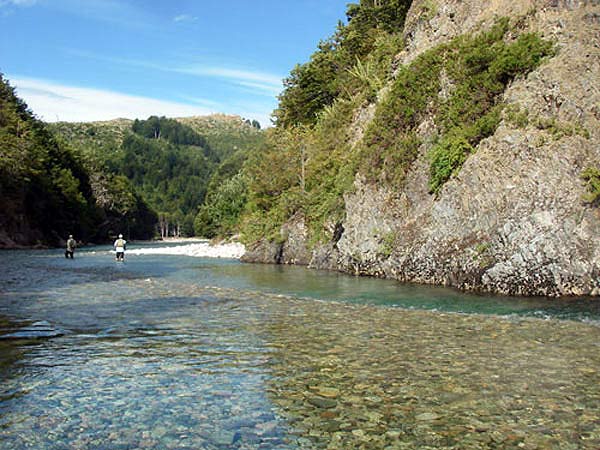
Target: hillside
[461,148]
[224,133]
[48,191]
[173,164]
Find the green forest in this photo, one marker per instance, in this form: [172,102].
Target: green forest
[177,166]
[224,176]
[49,190]
[143,178]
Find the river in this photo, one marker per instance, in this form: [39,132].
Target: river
[180,352]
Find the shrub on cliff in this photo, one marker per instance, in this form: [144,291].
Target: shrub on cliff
[591,176]
[459,85]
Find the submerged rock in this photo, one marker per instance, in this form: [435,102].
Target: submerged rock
[37,330]
[322,402]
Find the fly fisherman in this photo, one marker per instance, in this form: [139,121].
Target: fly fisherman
[71,244]
[120,247]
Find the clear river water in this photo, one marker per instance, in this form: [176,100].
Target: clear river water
[180,352]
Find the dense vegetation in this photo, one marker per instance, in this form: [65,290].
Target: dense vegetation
[336,67]
[178,166]
[169,164]
[46,188]
[313,155]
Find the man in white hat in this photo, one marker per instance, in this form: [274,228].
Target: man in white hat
[120,246]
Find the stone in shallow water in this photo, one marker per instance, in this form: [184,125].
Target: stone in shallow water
[428,416]
[37,330]
[322,402]
[325,391]
[224,437]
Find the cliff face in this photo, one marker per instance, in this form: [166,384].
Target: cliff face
[513,220]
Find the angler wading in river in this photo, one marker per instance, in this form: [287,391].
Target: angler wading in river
[120,246]
[71,244]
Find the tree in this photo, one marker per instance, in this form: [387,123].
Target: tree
[316,84]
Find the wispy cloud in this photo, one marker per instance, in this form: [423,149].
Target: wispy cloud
[53,101]
[17,3]
[256,82]
[261,81]
[184,18]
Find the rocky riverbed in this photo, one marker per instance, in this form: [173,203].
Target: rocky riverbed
[159,362]
[363,377]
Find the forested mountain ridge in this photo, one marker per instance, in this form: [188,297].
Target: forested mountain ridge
[95,180]
[441,142]
[173,164]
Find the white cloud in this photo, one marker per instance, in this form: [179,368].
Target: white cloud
[184,18]
[261,81]
[52,102]
[255,82]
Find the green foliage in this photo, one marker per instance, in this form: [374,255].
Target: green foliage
[482,254]
[318,83]
[308,89]
[44,186]
[367,75]
[68,186]
[387,245]
[124,210]
[481,248]
[172,178]
[391,143]
[220,213]
[309,153]
[591,176]
[427,10]
[173,165]
[559,129]
[226,135]
[460,84]
[170,129]
[279,188]
[516,116]
[447,157]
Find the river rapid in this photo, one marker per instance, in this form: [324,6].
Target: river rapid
[172,352]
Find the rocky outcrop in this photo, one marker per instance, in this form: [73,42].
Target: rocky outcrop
[513,221]
[291,248]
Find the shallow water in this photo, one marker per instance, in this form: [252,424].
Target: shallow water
[178,352]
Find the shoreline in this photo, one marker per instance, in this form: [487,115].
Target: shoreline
[195,248]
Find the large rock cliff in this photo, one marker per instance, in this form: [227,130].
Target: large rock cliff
[513,220]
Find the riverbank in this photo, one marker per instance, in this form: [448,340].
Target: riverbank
[193,247]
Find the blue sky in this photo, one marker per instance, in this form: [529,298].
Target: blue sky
[82,60]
